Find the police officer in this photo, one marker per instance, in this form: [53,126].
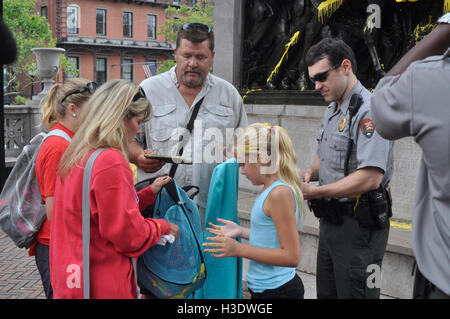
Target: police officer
[353,166]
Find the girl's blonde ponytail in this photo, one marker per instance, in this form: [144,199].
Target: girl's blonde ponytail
[53,110]
[48,110]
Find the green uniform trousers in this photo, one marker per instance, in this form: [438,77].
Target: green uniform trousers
[349,260]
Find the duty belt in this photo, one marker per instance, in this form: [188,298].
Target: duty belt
[332,205]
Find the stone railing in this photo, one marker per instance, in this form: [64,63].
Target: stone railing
[22,122]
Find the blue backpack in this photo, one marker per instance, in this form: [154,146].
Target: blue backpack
[175,270]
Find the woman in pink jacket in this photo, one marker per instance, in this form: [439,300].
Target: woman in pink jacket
[118,230]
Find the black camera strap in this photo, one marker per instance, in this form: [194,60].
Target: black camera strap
[190,127]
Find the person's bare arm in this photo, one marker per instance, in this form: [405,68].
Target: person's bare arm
[49,207]
[435,43]
[280,206]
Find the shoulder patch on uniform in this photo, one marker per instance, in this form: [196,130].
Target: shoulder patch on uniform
[367,127]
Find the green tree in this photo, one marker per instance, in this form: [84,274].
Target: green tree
[176,17]
[31,30]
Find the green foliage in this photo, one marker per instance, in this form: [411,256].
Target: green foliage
[20,100]
[176,17]
[30,30]
[166,66]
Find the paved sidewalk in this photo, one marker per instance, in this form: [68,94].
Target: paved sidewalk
[19,277]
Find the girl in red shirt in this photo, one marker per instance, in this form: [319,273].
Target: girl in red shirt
[61,111]
[118,231]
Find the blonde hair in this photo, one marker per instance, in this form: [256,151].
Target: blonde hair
[102,125]
[53,110]
[260,139]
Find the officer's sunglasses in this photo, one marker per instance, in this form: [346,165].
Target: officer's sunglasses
[323,76]
[196,26]
[139,94]
[91,87]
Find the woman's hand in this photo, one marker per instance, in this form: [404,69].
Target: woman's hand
[158,183]
[174,230]
[228,229]
[222,246]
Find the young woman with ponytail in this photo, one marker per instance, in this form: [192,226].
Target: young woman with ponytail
[60,111]
[266,156]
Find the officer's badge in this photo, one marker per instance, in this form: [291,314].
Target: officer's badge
[341,125]
[367,127]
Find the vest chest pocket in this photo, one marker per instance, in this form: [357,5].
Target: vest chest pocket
[217,115]
[161,140]
[162,128]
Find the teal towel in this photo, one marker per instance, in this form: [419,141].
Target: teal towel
[223,275]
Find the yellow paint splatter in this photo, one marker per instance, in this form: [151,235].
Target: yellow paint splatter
[294,40]
[327,8]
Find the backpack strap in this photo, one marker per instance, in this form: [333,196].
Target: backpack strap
[86,224]
[59,133]
[86,220]
[190,127]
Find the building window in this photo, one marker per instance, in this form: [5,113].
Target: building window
[76,62]
[151,27]
[128,24]
[128,70]
[73,12]
[100,70]
[44,12]
[101,21]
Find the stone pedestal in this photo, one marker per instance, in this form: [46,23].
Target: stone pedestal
[228,26]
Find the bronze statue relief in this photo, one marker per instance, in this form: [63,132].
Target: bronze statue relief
[278,34]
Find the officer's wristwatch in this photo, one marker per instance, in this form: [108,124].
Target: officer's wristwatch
[444,19]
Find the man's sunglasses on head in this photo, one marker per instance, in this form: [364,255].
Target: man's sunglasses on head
[323,76]
[91,87]
[195,26]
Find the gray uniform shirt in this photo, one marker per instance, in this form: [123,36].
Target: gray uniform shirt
[418,105]
[369,148]
[221,112]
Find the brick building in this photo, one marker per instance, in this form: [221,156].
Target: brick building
[111,39]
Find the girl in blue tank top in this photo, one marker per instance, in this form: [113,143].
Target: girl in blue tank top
[266,157]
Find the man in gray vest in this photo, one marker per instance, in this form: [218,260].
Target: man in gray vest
[174,96]
[414,100]
[353,167]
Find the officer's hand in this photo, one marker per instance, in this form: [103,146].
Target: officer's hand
[308,191]
[149,165]
[306,174]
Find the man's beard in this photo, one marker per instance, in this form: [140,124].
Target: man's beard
[192,83]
